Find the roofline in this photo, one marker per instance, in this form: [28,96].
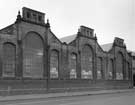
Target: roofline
[86,27]
[7,27]
[34,10]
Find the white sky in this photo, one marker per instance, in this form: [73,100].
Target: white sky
[109,18]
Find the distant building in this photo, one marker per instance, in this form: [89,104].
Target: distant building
[33,59]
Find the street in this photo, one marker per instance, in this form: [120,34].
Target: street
[126,98]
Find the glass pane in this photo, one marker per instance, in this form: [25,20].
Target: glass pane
[99,68]
[110,69]
[72,66]
[86,62]
[33,56]
[127,71]
[9,60]
[119,66]
[54,64]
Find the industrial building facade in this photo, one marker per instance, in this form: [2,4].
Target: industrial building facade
[33,59]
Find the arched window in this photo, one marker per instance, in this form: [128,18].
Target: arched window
[9,53]
[119,66]
[87,62]
[72,65]
[110,69]
[33,56]
[54,64]
[127,70]
[99,68]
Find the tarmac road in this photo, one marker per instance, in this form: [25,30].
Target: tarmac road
[125,98]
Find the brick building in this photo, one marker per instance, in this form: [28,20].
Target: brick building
[33,59]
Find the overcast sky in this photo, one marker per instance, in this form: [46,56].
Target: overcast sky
[109,18]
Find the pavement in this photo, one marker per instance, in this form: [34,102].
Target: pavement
[65,94]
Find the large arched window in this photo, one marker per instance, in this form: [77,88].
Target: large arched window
[33,56]
[99,68]
[9,53]
[87,62]
[110,69]
[119,66]
[54,64]
[72,65]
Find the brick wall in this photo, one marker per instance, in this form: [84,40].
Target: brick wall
[23,85]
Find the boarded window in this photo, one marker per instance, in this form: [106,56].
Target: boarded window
[54,64]
[33,56]
[86,63]
[72,66]
[110,69]
[99,68]
[119,66]
[9,60]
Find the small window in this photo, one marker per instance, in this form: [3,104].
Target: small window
[91,33]
[87,33]
[39,18]
[34,16]
[28,15]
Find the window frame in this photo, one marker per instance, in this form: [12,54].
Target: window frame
[23,56]
[3,65]
[91,62]
[70,57]
[57,51]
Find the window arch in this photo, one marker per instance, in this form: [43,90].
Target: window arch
[99,68]
[33,56]
[110,69]
[87,62]
[72,65]
[54,64]
[9,54]
[119,66]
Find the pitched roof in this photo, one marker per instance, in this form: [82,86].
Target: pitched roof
[107,47]
[68,39]
[7,30]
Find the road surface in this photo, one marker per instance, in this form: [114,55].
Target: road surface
[126,98]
